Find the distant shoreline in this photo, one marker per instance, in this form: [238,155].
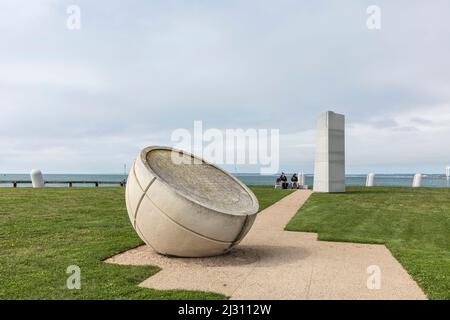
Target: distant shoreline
[400,179]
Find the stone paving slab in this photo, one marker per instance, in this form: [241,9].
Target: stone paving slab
[271,263]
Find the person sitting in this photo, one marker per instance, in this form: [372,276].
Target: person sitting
[294,181]
[284,183]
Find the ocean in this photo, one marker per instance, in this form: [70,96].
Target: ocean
[403,180]
[399,180]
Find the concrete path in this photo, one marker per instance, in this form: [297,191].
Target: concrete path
[271,263]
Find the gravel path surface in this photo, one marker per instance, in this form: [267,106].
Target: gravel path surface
[271,263]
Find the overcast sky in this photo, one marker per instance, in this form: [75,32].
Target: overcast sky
[86,101]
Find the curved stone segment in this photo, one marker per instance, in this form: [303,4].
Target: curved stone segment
[183,206]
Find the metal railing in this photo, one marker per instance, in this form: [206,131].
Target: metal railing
[15,183]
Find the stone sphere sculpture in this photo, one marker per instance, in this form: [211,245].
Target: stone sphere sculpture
[181,205]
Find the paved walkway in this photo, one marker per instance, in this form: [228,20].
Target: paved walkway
[271,263]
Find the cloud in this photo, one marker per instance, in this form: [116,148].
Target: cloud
[56,77]
[407,147]
[21,14]
[136,72]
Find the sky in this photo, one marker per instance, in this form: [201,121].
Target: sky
[88,100]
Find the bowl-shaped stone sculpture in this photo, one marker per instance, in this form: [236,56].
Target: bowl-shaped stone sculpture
[181,205]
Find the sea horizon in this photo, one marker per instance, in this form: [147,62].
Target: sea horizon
[437,180]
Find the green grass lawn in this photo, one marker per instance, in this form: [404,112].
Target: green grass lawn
[413,223]
[43,231]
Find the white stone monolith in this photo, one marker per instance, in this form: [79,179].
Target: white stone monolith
[417,181]
[301,179]
[37,180]
[447,174]
[370,179]
[329,167]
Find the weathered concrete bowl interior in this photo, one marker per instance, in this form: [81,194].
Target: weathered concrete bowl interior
[183,206]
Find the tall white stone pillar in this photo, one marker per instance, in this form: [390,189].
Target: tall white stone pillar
[329,167]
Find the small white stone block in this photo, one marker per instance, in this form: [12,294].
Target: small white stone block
[417,181]
[37,180]
[370,179]
[329,167]
[188,208]
[301,179]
